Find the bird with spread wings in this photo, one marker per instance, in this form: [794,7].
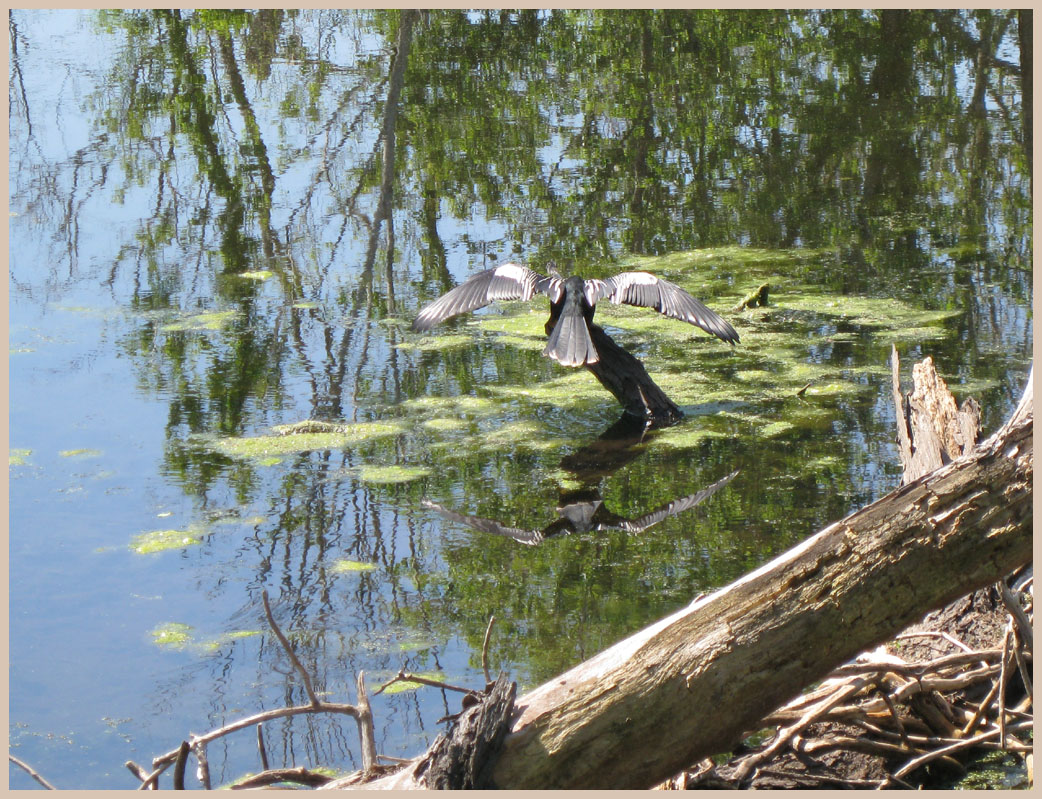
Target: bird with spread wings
[572,303]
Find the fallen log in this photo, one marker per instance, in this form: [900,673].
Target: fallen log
[692,684]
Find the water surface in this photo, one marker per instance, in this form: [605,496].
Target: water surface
[198,255]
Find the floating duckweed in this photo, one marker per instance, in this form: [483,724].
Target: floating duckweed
[172,635]
[824,462]
[776,429]
[413,645]
[213,644]
[970,388]
[835,389]
[306,426]
[525,434]
[883,312]
[402,686]
[81,309]
[213,320]
[534,343]
[437,343]
[568,390]
[474,405]
[161,540]
[386,475]
[756,376]
[290,442]
[80,453]
[249,521]
[272,461]
[260,275]
[913,334]
[514,432]
[18,457]
[517,318]
[451,406]
[686,437]
[304,306]
[342,566]
[443,425]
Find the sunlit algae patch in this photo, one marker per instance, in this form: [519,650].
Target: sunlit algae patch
[304,437]
[161,540]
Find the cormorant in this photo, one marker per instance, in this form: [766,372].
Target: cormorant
[572,302]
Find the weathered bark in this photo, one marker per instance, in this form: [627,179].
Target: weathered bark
[627,379]
[931,429]
[690,685]
[462,759]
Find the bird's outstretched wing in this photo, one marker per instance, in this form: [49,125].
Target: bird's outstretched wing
[647,291]
[671,509]
[507,281]
[530,537]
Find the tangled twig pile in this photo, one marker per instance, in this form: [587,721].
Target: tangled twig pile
[890,720]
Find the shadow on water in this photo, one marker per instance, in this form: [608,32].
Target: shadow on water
[582,509]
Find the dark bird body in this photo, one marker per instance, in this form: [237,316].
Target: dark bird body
[572,304]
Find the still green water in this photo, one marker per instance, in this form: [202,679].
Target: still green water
[222,224]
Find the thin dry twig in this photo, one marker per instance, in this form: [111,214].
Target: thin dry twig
[260,747]
[1018,614]
[203,770]
[484,649]
[909,740]
[31,772]
[894,714]
[1002,683]
[364,717]
[919,669]
[148,781]
[267,715]
[821,778]
[982,709]
[785,735]
[935,634]
[1025,672]
[299,775]
[362,714]
[404,676]
[921,760]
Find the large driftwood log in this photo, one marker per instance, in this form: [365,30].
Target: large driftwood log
[690,685]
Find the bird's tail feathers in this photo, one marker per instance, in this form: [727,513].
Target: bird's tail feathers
[570,343]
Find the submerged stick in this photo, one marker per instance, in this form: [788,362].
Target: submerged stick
[289,651]
[179,766]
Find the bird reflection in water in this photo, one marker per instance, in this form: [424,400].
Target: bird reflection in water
[583,510]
